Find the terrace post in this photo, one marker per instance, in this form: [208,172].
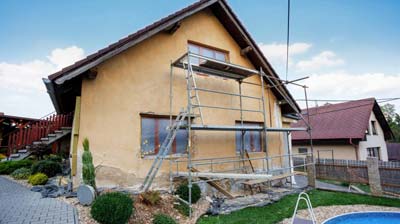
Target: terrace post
[310,171]
[374,177]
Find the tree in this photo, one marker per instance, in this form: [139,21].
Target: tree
[393,119]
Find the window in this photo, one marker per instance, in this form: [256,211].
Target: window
[374,132]
[373,152]
[252,139]
[206,52]
[303,150]
[154,131]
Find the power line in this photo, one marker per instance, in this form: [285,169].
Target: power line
[287,40]
[315,109]
[347,100]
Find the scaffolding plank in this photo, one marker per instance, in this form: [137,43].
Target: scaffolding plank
[215,185]
[215,67]
[225,175]
[239,128]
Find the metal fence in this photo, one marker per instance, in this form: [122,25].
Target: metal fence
[356,171]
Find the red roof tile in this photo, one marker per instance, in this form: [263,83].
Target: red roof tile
[347,120]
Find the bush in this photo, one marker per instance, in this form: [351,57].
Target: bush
[48,167]
[150,197]
[21,173]
[183,192]
[38,179]
[163,219]
[55,158]
[2,156]
[8,167]
[112,208]
[88,171]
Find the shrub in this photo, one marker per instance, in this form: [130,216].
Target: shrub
[8,167]
[150,197]
[38,179]
[21,173]
[183,192]
[112,208]
[163,219]
[2,156]
[88,171]
[48,167]
[55,158]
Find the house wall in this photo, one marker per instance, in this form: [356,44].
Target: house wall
[374,141]
[339,151]
[137,81]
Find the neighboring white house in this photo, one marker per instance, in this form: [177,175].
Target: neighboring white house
[352,130]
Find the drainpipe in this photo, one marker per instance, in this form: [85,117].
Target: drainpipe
[355,147]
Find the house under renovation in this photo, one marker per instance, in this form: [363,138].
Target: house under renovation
[189,96]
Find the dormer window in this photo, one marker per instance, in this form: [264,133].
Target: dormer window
[373,126]
[206,51]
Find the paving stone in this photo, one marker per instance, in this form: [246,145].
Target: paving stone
[20,205]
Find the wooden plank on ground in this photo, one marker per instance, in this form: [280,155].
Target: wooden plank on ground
[215,185]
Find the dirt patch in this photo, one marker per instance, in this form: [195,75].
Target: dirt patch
[323,213]
[144,213]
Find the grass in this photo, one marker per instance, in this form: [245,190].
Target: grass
[284,208]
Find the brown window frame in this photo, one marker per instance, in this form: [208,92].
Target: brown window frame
[202,46]
[173,152]
[237,122]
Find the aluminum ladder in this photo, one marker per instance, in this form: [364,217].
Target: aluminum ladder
[164,149]
[194,99]
[304,196]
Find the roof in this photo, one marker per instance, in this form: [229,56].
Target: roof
[340,121]
[222,11]
[11,117]
[393,150]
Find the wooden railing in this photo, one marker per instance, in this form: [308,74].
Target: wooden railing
[34,131]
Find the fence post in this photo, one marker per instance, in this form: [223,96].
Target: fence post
[310,171]
[374,178]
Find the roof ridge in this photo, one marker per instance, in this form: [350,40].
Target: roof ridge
[125,39]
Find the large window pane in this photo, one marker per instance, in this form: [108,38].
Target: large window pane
[252,139]
[154,132]
[147,140]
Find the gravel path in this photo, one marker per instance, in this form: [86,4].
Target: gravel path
[20,205]
[323,213]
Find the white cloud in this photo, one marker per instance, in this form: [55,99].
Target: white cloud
[344,85]
[27,76]
[277,51]
[322,60]
[67,56]
[23,81]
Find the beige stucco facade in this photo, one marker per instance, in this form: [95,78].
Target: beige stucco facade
[137,81]
[352,151]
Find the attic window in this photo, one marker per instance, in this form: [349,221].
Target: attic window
[373,126]
[206,51]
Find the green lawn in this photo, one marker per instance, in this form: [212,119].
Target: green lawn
[284,208]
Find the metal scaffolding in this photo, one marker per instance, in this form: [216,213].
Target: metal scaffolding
[194,108]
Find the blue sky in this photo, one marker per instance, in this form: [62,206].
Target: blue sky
[335,42]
